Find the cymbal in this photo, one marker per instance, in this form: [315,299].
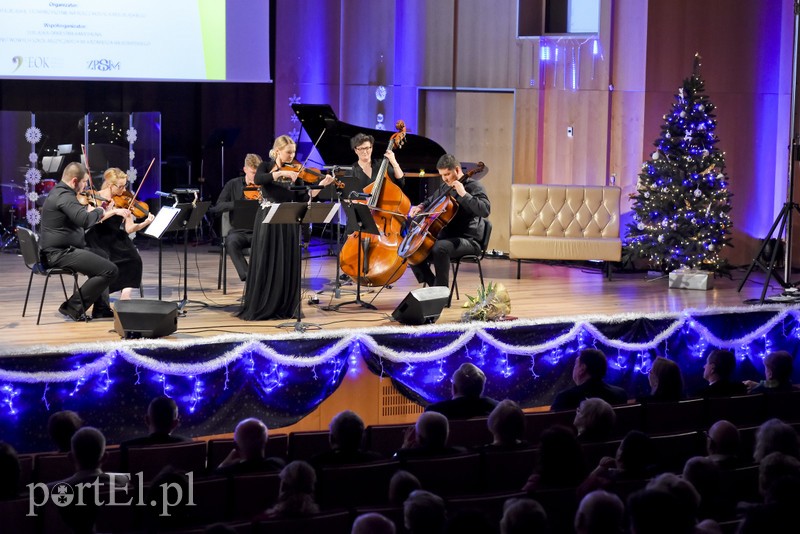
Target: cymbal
[12,186]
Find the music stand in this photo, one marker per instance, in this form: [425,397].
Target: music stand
[298,213]
[361,215]
[168,219]
[198,211]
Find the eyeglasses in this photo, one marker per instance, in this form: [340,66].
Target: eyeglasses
[364,149]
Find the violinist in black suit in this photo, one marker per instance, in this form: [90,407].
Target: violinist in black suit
[463,233]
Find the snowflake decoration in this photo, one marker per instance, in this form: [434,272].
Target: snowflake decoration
[294,99]
[131,133]
[295,133]
[33,157]
[688,136]
[293,118]
[131,155]
[33,176]
[380,117]
[33,196]
[132,175]
[33,135]
[380,126]
[380,93]
[33,217]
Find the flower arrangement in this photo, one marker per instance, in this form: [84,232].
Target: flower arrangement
[492,303]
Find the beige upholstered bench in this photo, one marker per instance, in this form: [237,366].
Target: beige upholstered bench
[565,222]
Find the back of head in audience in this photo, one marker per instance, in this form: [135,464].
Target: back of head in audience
[9,471]
[401,485]
[88,448]
[561,461]
[468,381]
[523,516]
[666,381]
[507,423]
[424,513]
[723,439]
[591,364]
[720,365]
[296,496]
[778,366]
[61,426]
[347,431]
[600,512]
[372,523]
[251,438]
[595,419]
[686,494]
[774,466]
[656,511]
[635,454]
[432,429]
[775,436]
[162,415]
[706,477]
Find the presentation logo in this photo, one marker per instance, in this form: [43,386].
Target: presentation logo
[103,65]
[62,494]
[34,62]
[16,60]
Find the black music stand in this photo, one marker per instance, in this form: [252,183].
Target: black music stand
[196,214]
[360,215]
[299,213]
[168,219]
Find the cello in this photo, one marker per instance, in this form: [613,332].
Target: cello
[425,227]
[380,264]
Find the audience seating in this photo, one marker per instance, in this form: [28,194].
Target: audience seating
[470,432]
[560,506]
[218,449]
[331,521]
[507,470]
[742,484]
[355,485]
[448,475]
[50,467]
[304,445]
[672,450]
[784,406]
[594,452]
[743,410]
[25,470]
[150,460]
[14,516]
[392,512]
[252,494]
[629,417]
[386,439]
[490,505]
[538,422]
[669,417]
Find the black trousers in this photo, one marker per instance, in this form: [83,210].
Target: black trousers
[443,251]
[100,271]
[235,243]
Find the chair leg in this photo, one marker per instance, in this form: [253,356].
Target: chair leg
[41,304]
[480,273]
[27,294]
[224,269]
[453,285]
[221,261]
[80,295]
[519,265]
[63,286]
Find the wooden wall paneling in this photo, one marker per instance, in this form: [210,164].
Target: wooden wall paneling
[368,40]
[485,132]
[424,43]
[626,141]
[486,49]
[438,114]
[526,136]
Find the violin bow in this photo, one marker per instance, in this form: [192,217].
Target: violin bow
[88,169]
[133,199]
[303,165]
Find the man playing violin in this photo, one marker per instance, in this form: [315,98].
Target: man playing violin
[63,244]
[463,233]
[112,236]
[238,189]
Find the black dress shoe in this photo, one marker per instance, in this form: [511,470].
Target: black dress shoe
[102,313]
[75,315]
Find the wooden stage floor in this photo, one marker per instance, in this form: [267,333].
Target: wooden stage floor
[544,291]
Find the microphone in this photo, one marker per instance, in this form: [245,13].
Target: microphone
[163,194]
[356,194]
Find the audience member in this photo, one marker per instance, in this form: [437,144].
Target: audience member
[774,466]
[682,490]
[249,455]
[594,420]
[775,436]
[507,425]
[296,495]
[161,495]
[778,514]
[430,438]
[723,445]
[666,381]
[588,373]
[656,511]
[634,460]
[401,485]
[424,513]
[600,512]
[9,472]
[468,401]
[523,516]
[372,523]
[778,368]
[346,434]
[718,371]
[470,521]
[560,463]
[706,477]
[61,426]
[161,420]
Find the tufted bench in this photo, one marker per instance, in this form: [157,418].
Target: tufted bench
[565,222]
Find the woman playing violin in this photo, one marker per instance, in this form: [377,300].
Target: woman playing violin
[365,170]
[274,273]
[112,236]
[463,233]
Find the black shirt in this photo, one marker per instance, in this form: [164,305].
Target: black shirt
[472,208]
[233,190]
[64,220]
[571,398]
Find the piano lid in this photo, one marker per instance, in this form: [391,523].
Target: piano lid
[418,153]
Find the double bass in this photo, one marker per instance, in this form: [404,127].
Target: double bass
[380,263]
[424,228]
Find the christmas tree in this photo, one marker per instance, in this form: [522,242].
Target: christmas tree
[681,206]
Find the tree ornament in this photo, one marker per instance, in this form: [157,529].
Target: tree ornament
[698,193]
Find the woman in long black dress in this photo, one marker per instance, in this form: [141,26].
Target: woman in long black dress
[112,236]
[273,276]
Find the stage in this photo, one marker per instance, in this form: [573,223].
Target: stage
[221,369]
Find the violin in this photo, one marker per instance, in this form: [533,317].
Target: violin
[308,174]
[90,198]
[252,192]
[126,200]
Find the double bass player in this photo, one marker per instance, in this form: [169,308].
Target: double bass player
[463,233]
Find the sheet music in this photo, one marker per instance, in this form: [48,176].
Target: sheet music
[162,221]
[273,208]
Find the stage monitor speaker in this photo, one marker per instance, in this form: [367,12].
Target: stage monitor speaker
[145,318]
[422,306]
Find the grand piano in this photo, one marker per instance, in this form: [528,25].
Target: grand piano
[417,157]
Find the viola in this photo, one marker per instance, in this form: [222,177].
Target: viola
[308,174]
[90,198]
[252,192]
[126,200]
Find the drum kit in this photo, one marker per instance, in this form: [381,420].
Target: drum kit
[17,208]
